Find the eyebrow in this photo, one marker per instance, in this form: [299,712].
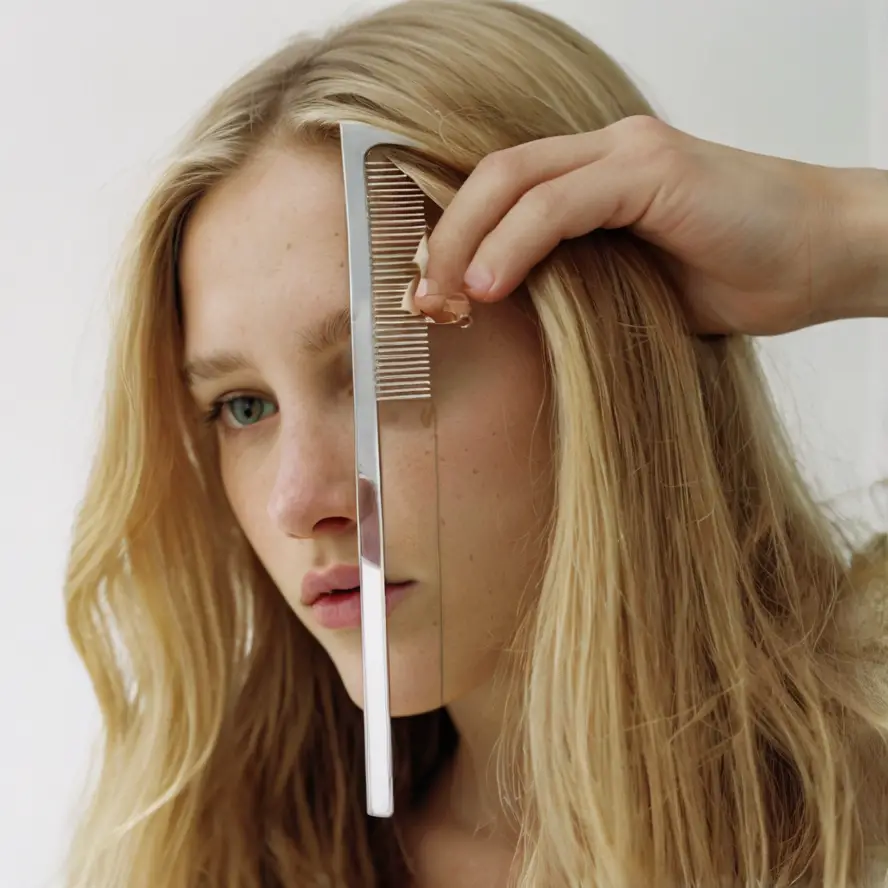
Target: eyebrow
[327,333]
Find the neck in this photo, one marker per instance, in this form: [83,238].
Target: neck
[469,795]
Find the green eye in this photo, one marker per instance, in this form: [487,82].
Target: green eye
[245,410]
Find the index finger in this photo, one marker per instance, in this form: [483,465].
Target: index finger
[493,188]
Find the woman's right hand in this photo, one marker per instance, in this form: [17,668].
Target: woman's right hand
[763,245]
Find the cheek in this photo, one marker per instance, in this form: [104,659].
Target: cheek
[410,490]
[495,470]
[495,455]
[247,482]
[495,500]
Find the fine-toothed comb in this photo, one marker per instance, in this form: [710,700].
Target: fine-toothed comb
[386,223]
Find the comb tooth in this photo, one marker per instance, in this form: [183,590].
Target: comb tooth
[397,224]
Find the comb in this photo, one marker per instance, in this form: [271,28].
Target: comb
[385,213]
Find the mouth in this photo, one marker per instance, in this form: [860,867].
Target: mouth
[341,608]
[334,596]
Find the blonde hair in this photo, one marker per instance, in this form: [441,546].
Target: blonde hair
[702,697]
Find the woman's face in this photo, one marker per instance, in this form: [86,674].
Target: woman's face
[264,279]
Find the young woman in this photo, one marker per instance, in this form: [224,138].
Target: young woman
[664,666]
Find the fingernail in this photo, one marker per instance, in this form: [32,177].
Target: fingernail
[425,290]
[478,279]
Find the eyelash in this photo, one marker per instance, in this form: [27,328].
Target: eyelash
[213,414]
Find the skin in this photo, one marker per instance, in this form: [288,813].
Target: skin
[263,264]
[261,269]
[761,245]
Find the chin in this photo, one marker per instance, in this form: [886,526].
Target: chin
[415,683]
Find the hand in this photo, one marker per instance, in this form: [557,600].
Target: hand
[764,245]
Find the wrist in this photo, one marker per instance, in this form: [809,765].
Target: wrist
[862,245]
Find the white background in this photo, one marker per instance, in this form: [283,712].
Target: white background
[92,94]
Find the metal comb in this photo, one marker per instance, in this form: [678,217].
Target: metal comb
[385,213]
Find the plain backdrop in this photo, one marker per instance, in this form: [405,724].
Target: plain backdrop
[92,95]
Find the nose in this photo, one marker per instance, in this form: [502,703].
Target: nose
[314,488]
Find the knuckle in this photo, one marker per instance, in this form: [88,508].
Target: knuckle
[439,241]
[543,201]
[656,146]
[503,167]
[646,134]
[445,242]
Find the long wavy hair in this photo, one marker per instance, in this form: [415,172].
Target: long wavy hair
[702,692]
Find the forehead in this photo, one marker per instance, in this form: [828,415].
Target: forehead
[267,244]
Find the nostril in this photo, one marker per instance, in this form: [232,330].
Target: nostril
[333,525]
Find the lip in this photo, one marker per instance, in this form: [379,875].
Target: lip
[343,610]
[319,583]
